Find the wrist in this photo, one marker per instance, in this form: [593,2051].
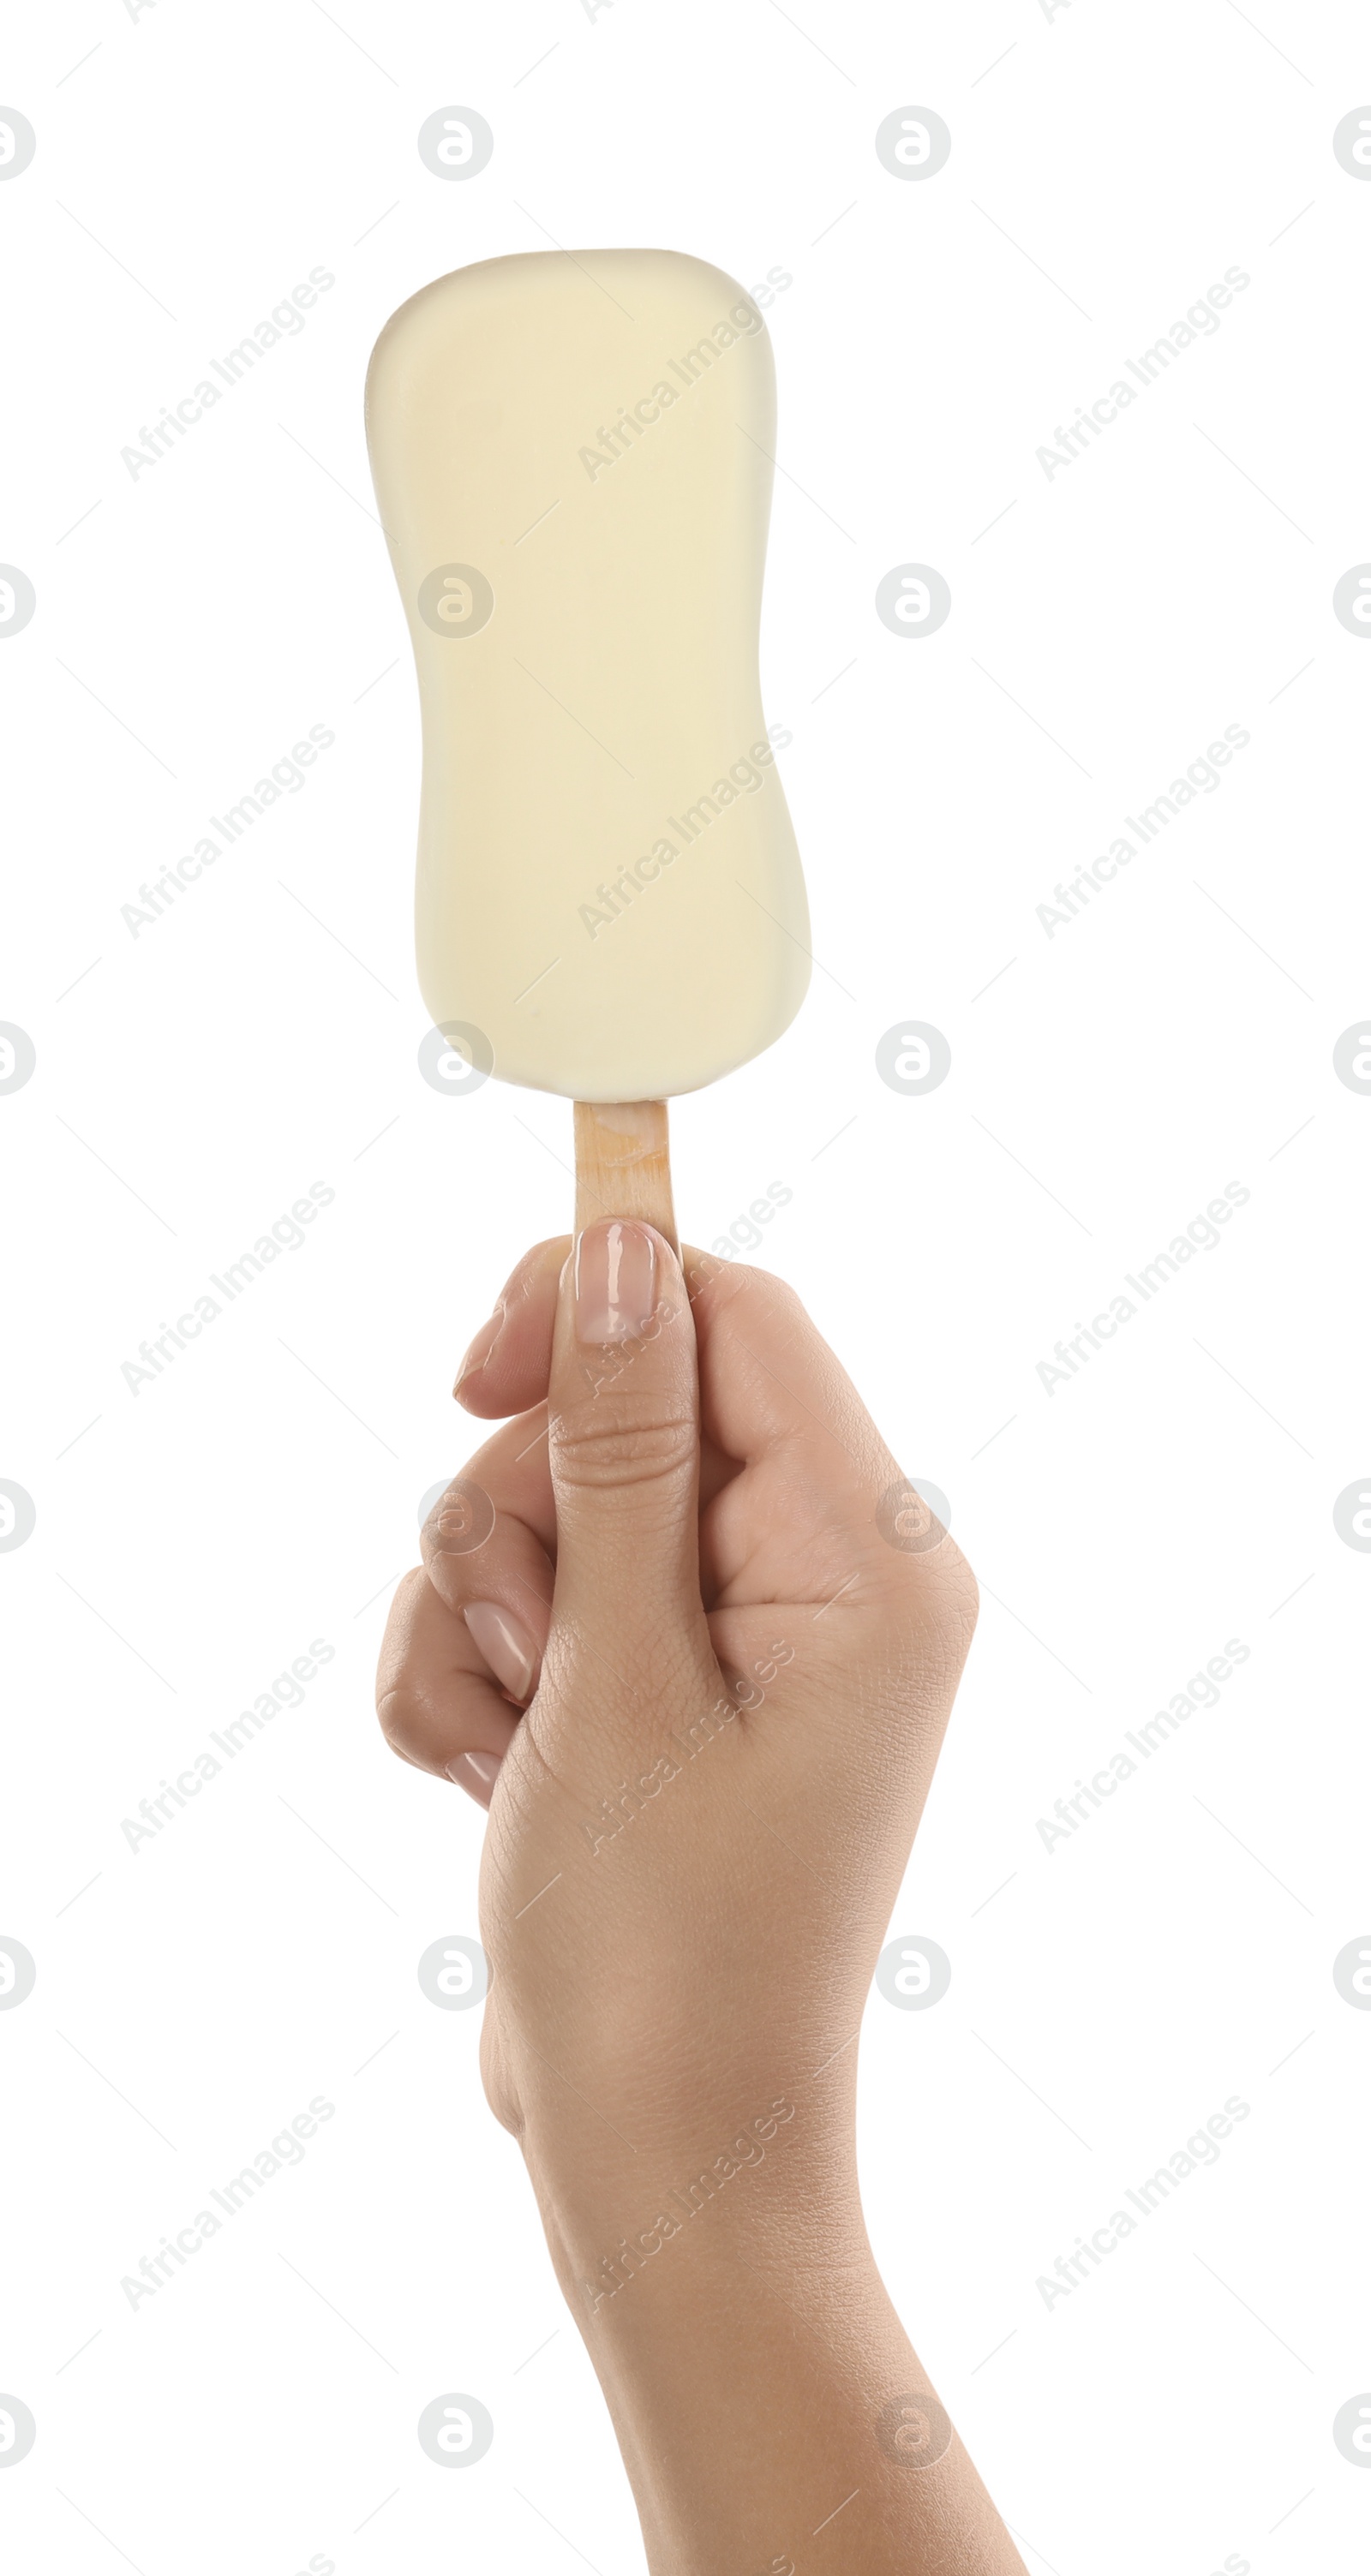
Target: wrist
[727,2315]
[772,2186]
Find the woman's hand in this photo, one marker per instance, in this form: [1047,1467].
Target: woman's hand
[692,1634]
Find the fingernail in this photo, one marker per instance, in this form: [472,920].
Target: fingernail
[507,1646]
[476,1773]
[481,1348]
[616,1282]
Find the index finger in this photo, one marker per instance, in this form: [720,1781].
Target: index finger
[770,1383]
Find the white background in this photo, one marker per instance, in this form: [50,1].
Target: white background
[1108,164]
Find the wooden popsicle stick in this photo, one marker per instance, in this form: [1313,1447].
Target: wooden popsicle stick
[622,1164]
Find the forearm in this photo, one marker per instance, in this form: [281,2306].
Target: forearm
[772,2414]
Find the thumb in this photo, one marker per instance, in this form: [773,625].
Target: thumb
[624,1447]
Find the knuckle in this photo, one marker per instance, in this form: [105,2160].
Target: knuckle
[949,1604]
[939,1602]
[962,1591]
[772,1296]
[963,1611]
[495,2078]
[781,1297]
[395,1714]
[614,1443]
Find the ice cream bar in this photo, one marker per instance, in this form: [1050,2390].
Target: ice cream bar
[572,455]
